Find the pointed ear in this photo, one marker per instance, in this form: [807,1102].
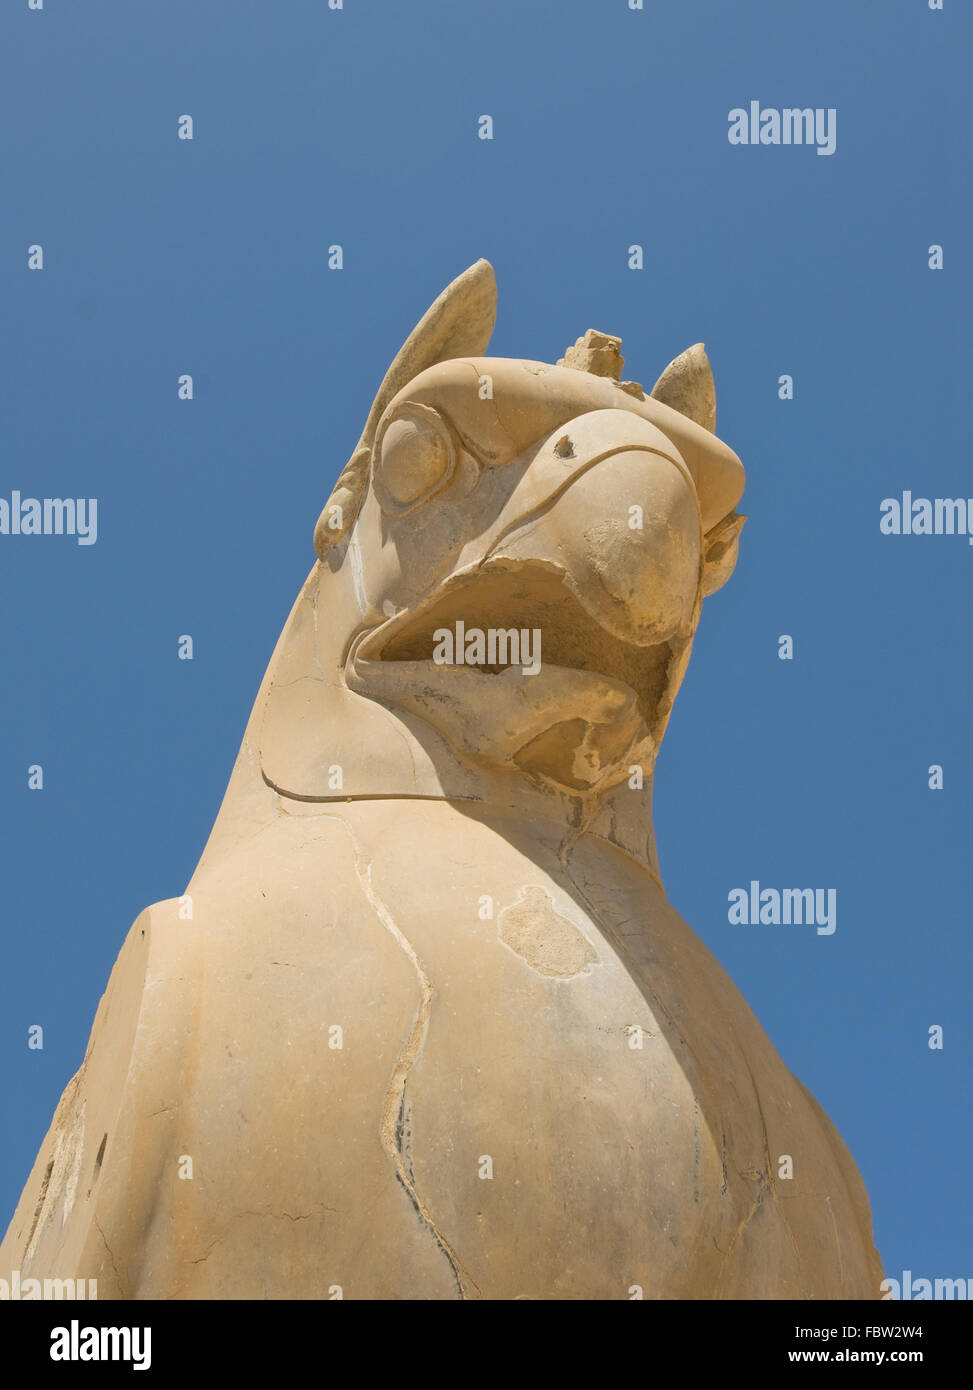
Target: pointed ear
[457,324]
[687,385]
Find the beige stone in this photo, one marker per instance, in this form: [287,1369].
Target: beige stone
[598,353]
[432,1029]
[687,385]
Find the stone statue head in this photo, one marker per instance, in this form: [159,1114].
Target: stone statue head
[574,517]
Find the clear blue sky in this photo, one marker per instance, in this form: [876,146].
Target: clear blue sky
[358,127]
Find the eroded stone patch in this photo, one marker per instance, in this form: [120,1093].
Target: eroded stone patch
[548,942]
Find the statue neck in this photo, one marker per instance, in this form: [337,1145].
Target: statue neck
[312,741]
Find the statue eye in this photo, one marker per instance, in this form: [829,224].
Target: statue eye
[415,456]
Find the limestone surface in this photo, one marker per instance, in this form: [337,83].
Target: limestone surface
[424,1024]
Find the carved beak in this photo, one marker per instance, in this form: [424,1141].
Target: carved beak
[598,552]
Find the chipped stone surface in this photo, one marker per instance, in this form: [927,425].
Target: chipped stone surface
[548,942]
[598,353]
[429,1028]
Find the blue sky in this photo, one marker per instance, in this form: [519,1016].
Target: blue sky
[359,127]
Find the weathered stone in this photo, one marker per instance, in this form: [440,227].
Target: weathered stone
[687,385]
[424,1025]
[598,353]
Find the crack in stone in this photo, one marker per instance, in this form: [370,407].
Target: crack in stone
[837,1243]
[761,1196]
[114,1266]
[391,1131]
[209,1249]
[723,1186]
[282,1215]
[770,1163]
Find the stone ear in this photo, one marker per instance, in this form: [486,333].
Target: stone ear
[687,386]
[457,324]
